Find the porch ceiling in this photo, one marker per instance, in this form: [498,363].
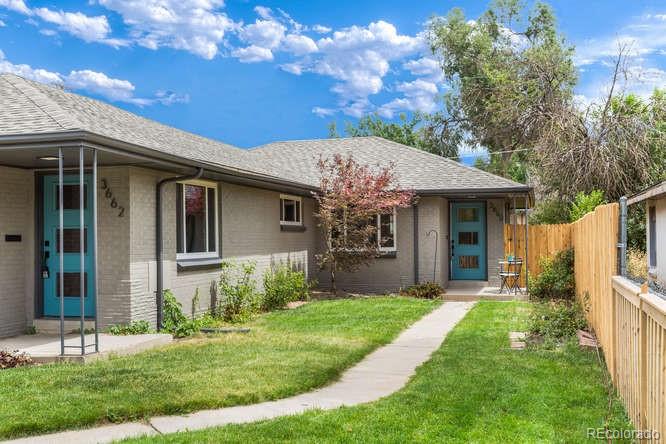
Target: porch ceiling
[33,158]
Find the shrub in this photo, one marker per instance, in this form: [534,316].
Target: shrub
[426,290]
[557,280]
[175,321]
[238,299]
[637,264]
[133,328]
[550,211]
[283,285]
[13,359]
[586,203]
[556,321]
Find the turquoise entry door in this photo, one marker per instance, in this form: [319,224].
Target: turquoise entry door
[468,241]
[72,255]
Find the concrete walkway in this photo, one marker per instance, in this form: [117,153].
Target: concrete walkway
[381,373]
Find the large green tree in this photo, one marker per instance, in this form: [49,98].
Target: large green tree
[509,72]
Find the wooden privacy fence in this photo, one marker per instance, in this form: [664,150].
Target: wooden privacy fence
[630,324]
[544,241]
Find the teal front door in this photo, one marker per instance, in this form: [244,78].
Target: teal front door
[468,241]
[71,246]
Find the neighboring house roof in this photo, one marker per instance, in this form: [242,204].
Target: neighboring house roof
[415,168]
[654,192]
[29,108]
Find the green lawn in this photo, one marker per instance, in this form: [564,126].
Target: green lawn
[474,389]
[287,352]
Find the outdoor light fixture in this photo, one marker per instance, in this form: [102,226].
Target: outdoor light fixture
[51,158]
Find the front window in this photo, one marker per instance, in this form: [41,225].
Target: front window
[197,219]
[290,210]
[386,231]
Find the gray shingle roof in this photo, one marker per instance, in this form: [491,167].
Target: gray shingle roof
[414,168]
[28,107]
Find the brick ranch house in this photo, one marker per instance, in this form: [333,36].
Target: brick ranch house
[162,208]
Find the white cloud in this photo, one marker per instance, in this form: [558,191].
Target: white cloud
[98,83]
[263,33]
[359,58]
[196,26]
[418,95]
[253,54]
[293,68]
[16,5]
[323,112]
[2,24]
[89,29]
[299,44]
[48,32]
[644,35]
[321,29]
[424,67]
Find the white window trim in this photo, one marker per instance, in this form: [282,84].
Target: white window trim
[300,209]
[395,233]
[207,254]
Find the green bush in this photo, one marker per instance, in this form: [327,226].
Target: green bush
[238,298]
[283,285]
[133,328]
[557,280]
[557,321]
[550,211]
[426,290]
[175,321]
[586,203]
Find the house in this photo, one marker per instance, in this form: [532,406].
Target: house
[654,199]
[162,208]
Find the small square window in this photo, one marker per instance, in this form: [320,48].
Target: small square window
[468,215]
[290,210]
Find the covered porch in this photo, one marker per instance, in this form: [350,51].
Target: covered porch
[64,224]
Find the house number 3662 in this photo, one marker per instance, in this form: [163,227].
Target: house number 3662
[112,199]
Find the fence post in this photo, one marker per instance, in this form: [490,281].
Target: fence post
[642,365]
[623,236]
[614,334]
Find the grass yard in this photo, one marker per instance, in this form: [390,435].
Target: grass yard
[286,353]
[474,389]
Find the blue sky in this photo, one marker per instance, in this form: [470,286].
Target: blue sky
[248,72]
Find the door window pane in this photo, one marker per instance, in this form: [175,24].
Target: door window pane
[468,238]
[468,214]
[72,240]
[72,285]
[70,197]
[195,218]
[467,262]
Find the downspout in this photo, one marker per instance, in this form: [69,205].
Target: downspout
[158,238]
[416,243]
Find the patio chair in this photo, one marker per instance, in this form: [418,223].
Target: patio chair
[509,274]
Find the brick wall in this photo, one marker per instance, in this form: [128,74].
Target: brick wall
[16,258]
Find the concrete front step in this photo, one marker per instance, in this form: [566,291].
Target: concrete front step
[466,284]
[458,297]
[51,326]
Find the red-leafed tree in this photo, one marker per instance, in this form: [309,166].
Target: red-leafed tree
[349,199]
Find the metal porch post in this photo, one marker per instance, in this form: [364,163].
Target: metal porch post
[82,240]
[60,275]
[94,228]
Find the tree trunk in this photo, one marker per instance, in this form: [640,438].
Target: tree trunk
[334,288]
